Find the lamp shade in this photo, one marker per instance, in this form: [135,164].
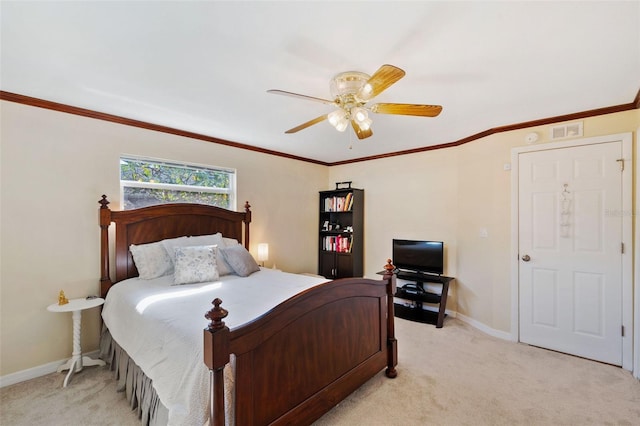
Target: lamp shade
[359,114]
[336,117]
[263,252]
[342,125]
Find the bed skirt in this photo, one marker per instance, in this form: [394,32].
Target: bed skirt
[137,386]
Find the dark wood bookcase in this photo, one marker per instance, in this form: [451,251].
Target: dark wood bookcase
[341,233]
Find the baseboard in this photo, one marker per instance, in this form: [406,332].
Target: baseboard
[35,372]
[474,323]
[484,328]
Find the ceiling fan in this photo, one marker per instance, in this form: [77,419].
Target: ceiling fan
[351,91]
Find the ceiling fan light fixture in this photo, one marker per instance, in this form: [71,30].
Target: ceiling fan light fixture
[336,116]
[342,125]
[347,83]
[359,114]
[365,124]
[338,119]
[365,92]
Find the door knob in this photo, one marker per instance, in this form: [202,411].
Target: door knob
[526,258]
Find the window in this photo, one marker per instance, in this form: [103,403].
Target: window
[145,182]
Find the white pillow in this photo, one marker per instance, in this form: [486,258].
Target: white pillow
[240,260]
[170,245]
[200,240]
[228,242]
[206,240]
[152,260]
[195,264]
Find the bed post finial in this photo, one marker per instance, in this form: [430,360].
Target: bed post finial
[389,268]
[104,202]
[216,314]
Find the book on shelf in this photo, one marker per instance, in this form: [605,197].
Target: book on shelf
[338,243]
[348,202]
[339,204]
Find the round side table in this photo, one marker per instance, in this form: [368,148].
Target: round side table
[77,361]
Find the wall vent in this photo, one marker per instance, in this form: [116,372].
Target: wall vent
[571,130]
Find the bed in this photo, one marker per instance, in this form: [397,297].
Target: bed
[283,356]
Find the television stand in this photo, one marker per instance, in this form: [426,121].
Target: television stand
[417,293]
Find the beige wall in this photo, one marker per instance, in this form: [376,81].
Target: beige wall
[55,167]
[450,195]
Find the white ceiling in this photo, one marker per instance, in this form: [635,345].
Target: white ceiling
[205,67]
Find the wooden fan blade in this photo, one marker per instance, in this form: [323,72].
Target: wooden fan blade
[297,95]
[362,134]
[380,81]
[407,109]
[308,124]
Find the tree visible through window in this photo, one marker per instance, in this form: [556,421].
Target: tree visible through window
[148,182]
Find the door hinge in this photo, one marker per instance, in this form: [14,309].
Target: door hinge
[622,330]
[621,161]
[622,248]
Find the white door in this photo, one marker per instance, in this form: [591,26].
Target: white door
[570,249]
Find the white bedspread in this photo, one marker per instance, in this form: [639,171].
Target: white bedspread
[160,327]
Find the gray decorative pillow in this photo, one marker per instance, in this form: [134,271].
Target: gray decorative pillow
[240,260]
[223,266]
[152,260]
[229,241]
[212,240]
[195,264]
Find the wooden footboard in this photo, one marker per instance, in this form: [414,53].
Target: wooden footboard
[300,359]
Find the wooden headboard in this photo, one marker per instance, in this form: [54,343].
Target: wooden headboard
[156,223]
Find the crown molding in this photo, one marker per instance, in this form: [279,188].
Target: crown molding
[635,104]
[55,106]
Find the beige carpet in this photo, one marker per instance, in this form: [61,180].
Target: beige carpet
[455,375]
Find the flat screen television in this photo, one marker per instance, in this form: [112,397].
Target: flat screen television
[424,257]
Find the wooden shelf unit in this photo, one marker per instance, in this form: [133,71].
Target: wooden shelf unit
[417,293]
[341,233]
